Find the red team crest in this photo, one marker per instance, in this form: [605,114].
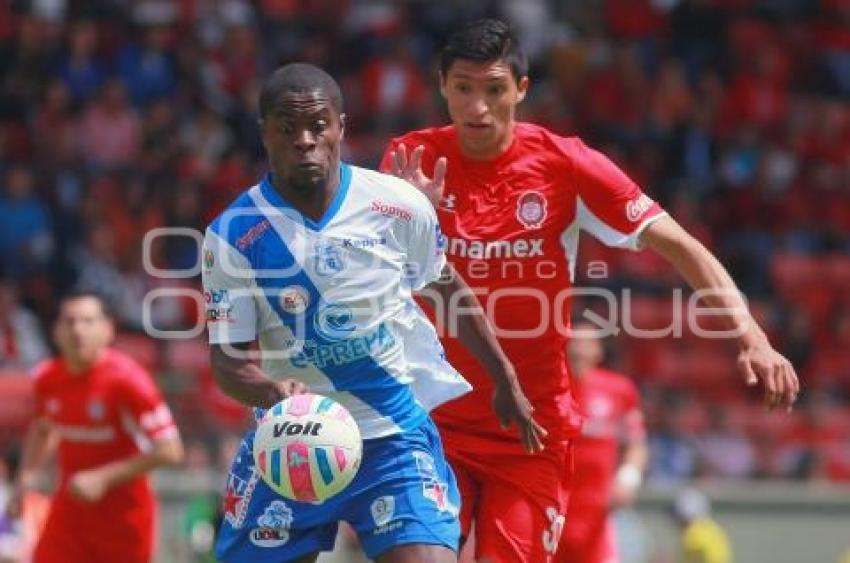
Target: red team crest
[531,209]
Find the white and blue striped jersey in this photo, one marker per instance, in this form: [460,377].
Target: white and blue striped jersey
[330,302]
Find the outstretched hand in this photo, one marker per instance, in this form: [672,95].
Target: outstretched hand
[760,362]
[409,167]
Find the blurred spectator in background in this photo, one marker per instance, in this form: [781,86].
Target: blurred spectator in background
[147,69]
[724,451]
[26,241]
[673,455]
[110,130]
[22,342]
[82,69]
[702,540]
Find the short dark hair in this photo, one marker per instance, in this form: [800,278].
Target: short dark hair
[302,78]
[86,293]
[482,41]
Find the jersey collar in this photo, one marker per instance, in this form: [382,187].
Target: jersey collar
[274,197]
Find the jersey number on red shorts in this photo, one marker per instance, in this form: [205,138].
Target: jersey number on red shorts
[552,536]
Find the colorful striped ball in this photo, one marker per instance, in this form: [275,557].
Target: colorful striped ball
[307,448]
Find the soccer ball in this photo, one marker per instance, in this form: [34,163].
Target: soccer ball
[307,448]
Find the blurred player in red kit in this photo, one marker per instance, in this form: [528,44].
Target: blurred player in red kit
[112,427]
[512,198]
[602,478]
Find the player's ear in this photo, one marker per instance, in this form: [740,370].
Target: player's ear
[341,125]
[522,88]
[442,78]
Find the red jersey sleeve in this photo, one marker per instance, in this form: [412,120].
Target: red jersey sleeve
[610,205]
[143,407]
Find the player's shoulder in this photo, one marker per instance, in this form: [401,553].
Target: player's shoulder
[123,369]
[238,210]
[538,138]
[46,371]
[388,190]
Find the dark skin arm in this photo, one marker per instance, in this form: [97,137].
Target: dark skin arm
[474,330]
[245,381]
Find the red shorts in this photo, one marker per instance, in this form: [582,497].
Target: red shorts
[516,500]
[78,532]
[588,536]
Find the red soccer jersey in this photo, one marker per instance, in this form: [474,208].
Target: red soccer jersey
[611,406]
[111,412]
[512,227]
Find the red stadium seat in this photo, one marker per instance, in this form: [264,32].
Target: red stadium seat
[790,272]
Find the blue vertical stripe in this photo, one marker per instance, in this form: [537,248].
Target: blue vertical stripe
[325,405]
[324,465]
[275,466]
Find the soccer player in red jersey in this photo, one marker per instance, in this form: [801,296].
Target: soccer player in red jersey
[112,428]
[512,198]
[602,478]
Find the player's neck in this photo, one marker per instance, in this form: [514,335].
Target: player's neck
[489,152]
[80,365]
[310,203]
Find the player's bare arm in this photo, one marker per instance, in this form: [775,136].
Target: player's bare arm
[629,475]
[37,445]
[245,381]
[409,167]
[757,359]
[92,484]
[476,333]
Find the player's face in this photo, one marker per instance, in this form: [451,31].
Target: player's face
[482,100]
[82,330]
[302,136]
[584,352]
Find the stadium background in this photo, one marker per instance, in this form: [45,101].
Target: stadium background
[117,117]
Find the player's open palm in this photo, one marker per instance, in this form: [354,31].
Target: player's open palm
[762,363]
[511,405]
[409,167]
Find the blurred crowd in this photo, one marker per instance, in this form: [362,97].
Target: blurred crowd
[119,116]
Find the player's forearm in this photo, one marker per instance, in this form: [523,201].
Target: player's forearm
[243,380]
[636,454]
[465,315]
[166,452]
[706,274]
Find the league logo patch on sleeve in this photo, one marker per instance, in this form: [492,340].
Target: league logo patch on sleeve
[531,209]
